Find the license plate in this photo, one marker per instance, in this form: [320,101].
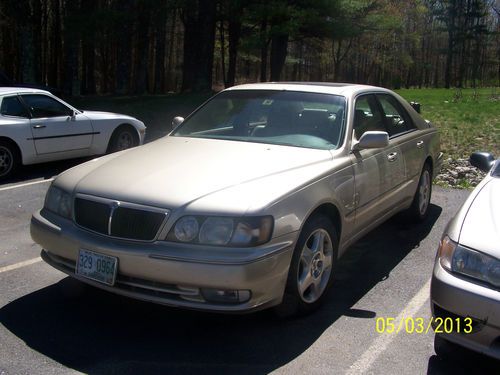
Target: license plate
[98,267]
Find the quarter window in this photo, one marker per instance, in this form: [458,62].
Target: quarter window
[45,106]
[12,106]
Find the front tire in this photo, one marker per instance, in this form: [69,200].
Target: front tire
[311,269]
[9,159]
[123,137]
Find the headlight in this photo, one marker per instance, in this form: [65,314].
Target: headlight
[222,231]
[468,262]
[186,229]
[58,201]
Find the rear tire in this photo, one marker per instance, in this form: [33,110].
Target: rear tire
[123,137]
[9,159]
[311,270]
[419,208]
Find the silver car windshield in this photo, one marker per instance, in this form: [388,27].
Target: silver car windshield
[290,118]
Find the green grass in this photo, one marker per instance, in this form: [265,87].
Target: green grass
[468,120]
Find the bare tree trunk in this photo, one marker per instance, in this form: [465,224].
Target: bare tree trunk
[199,36]
[279,46]
[264,40]
[234,31]
[124,47]
[222,52]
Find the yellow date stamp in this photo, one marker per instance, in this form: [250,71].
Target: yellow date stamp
[413,325]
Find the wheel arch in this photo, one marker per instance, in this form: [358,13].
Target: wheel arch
[122,126]
[14,143]
[331,211]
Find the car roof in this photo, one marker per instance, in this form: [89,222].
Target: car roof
[20,90]
[344,89]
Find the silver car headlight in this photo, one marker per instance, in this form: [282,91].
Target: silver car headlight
[59,202]
[468,262]
[222,231]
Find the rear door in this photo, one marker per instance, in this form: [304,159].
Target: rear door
[55,129]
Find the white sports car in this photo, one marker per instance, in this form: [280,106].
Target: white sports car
[37,127]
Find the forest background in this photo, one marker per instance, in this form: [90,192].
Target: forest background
[132,47]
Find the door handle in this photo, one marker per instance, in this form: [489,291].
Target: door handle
[393,156]
[38,126]
[420,144]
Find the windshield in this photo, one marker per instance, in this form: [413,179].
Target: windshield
[276,117]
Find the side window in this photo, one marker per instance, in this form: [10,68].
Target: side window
[12,106]
[45,106]
[367,116]
[396,118]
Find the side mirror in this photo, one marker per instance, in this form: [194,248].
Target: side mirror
[482,160]
[177,121]
[372,139]
[416,106]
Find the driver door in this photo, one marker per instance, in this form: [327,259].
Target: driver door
[55,129]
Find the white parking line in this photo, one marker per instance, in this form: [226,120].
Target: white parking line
[26,184]
[20,264]
[382,342]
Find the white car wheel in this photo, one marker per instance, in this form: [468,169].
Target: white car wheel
[123,138]
[8,159]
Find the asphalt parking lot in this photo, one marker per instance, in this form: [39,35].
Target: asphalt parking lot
[50,324]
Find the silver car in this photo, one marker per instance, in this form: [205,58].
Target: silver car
[248,203]
[465,288]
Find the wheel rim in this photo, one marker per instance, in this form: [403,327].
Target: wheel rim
[315,266]
[6,161]
[424,192]
[125,140]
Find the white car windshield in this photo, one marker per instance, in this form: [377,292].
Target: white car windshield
[300,119]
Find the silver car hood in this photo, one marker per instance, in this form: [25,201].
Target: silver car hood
[175,172]
[481,226]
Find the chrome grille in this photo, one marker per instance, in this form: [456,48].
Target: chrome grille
[92,215]
[136,224]
[118,219]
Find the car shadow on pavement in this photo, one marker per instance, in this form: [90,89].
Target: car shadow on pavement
[97,332]
[43,170]
[459,361]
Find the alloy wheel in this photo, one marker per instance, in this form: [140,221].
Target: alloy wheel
[315,266]
[424,192]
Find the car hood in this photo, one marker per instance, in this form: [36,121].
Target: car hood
[175,172]
[481,226]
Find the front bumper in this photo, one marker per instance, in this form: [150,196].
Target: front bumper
[169,273]
[454,297]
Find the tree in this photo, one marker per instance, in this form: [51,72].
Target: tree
[198,18]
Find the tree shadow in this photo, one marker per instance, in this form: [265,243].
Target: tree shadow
[97,332]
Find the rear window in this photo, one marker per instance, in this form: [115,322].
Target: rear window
[12,106]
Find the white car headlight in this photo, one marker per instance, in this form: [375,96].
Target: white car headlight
[59,202]
[222,231]
[468,262]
